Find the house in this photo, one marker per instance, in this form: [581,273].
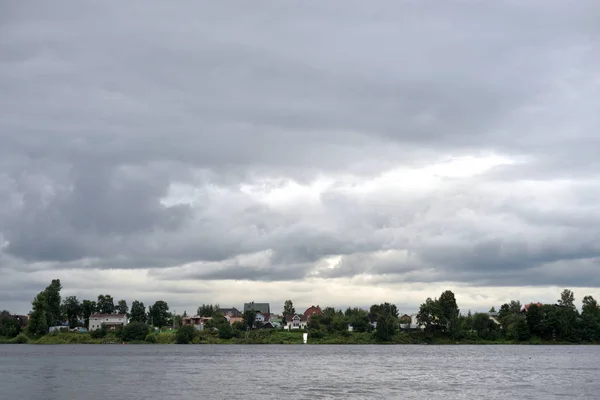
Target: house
[196,321]
[263,318]
[295,321]
[526,306]
[111,321]
[258,307]
[232,312]
[312,310]
[271,325]
[233,320]
[300,321]
[414,323]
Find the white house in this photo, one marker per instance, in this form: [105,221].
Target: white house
[295,321]
[112,321]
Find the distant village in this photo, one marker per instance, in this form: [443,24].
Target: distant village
[264,319]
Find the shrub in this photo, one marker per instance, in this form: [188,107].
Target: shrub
[185,334]
[165,338]
[99,333]
[151,338]
[21,338]
[135,331]
[9,327]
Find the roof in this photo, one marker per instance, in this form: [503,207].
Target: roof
[290,318]
[233,311]
[108,316]
[526,306]
[312,310]
[260,307]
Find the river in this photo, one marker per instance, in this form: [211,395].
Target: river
[65,372]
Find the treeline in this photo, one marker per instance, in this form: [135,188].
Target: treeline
[439,317]
[50,309]
[533,322]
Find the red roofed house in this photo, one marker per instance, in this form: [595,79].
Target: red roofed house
[526,306]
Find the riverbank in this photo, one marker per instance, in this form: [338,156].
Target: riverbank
[272,337]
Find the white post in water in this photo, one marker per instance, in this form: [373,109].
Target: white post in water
[305,337]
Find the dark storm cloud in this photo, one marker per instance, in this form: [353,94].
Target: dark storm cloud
[106,109]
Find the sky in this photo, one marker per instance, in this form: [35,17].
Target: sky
[339,153]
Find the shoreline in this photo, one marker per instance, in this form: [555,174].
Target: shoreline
[280,338]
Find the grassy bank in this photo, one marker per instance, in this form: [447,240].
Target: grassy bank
[266,337]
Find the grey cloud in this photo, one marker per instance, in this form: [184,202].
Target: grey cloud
[105,109]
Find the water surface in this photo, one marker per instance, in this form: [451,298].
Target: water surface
[132,372]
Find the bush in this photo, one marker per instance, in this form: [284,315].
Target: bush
[21,338]
[185,334]
[135,331]
[9,327]
[151,338]
[165,338]
[99,333]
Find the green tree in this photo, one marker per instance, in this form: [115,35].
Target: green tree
[429,314]
[185,334]
[249,318]
[53,309]
[138,311]
[519,330]
[484,326]
[105,304]
[449,313]
[220,323]
[159,313]
[88,307]
[72,310]
[493,309]
[359,319]
[38,324]
[122,307]
[514,306]
[535,320]
[567,299]
[5,313]
[386,326]
[590,319]
[288,309]
[208,310]
[9,326]
[135,331]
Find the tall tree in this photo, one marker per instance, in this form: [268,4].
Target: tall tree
[88,307]
[288,309]
[249,318]
[535,320]
[208,310]
[590,307]
[105,304]
[567,299]
[122,307]
[590,319]
[53,309]
[429,314]
[449,312]
[38,324]
[138,311]
[4,313]
[72,310]
[159,313]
